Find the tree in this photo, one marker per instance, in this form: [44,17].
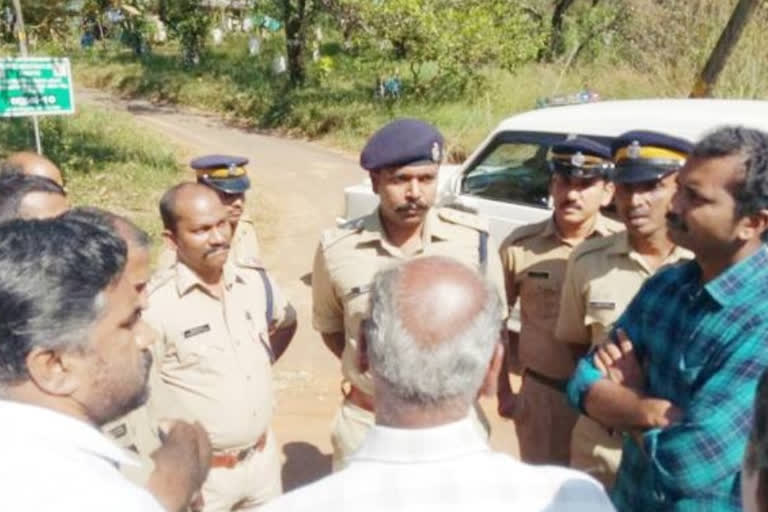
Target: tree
[451,40]
[190,23]
[730,36]
[298,18]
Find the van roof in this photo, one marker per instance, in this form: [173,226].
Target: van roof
[687,118]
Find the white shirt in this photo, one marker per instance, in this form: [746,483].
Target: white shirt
[53,462]
[446,468]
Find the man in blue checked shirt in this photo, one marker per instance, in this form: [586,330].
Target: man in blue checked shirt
[678,375]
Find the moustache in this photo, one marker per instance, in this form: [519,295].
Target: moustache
[674,221]
[415,205]
[568,204]
[214,250]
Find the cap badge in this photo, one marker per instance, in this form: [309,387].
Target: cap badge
[231,170]
[577,160]
[435,152]
[633,151]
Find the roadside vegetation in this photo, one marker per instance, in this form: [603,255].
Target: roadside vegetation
[106,159]
[323,68]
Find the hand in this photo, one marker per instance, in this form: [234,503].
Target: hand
[660,413]
[181,463]
[618,362]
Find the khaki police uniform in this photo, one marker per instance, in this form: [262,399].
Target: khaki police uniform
[534,258]
[244,246]
[214,359]
[603,276]
[345,263]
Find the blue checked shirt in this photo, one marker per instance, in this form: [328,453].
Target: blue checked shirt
[703,349]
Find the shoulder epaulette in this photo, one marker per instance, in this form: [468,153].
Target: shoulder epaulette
[160,277]
[593,245]
[463,218]
[526,231]
[333,235]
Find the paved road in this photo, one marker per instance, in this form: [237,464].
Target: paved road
[297,192]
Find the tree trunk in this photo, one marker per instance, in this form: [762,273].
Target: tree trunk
[556,39]
[719,57]
[295,18]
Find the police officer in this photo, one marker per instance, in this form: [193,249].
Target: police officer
[227,176]
[604,274]
[402,159]
[220,328]
[534,258]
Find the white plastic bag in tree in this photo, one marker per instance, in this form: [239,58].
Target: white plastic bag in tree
[254,46]
[279,65]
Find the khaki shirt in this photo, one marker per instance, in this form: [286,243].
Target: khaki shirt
[348,258]
[138,431]
[244,246]
[534,258]
[213,354]
[602,278]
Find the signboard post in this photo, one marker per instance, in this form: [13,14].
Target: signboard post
[35,86]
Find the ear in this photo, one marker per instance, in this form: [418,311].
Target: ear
[609,189]
[362,352]
[53,372]
[752,226]
[375,178]
[492,374]
[170,239]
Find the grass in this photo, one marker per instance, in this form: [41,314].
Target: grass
[106,161]
[338,107]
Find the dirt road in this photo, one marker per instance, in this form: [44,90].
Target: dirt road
[297,192]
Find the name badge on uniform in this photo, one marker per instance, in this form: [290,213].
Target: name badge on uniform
[538,275]
[605,305]
[358,290]
[118,431]
[200,329]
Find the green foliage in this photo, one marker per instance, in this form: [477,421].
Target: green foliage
[451,40]
[106,160]
[190,23]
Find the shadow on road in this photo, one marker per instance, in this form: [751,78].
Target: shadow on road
[304,464]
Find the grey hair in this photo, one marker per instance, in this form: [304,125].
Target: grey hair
[112,222]
[53,274]
[14,187]
[427,374]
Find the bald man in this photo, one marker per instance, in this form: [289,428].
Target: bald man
[432,346]
[30,197]
[26,162]
[221,326]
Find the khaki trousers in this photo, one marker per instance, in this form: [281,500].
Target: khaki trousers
[543,420]
[595,450]
[352,423]
[248,485]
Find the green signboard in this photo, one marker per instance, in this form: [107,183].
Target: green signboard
[35,86]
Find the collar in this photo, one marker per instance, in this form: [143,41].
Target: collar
[730,284]
[622,247]
[42,424]
[373,230]
[601,228]
[399,445]
[187,279]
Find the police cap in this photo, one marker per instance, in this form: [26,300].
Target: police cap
[402,142]
[222,172]
[642,156]
[580,157]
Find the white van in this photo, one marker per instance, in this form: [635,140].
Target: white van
[506,177]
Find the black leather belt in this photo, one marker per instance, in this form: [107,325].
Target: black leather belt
[556,384]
